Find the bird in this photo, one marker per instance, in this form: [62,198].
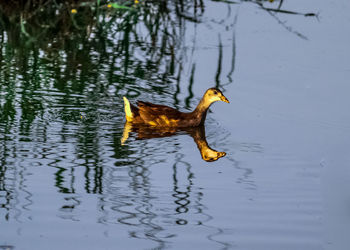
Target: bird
[155,115]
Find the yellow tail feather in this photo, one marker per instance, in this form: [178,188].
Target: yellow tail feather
[128,113]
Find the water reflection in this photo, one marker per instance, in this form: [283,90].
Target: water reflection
[60,81]
[197,133]
[147,207]
[6,247]
[128,201]
[181,193]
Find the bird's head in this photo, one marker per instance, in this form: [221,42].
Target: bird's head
[213,95]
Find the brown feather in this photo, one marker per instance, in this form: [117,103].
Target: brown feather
[158,115]
[163,116]
[134,110]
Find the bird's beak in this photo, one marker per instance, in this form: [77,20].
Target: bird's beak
[224,99]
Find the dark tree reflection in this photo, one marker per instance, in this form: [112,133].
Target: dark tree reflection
[60,69]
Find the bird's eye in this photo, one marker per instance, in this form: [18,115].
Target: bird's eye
[215,92]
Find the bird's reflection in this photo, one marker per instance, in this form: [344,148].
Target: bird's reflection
[197,133]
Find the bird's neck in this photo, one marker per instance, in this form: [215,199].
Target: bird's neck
[200,112]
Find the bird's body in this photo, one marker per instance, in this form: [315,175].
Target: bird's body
[163,116]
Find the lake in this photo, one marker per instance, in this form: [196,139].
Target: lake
[73,175]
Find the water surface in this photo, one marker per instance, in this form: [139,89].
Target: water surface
[67,182]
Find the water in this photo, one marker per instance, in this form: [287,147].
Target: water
[68,182]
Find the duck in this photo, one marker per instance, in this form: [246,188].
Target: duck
[161,116]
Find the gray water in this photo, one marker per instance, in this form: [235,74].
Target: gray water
[67,182]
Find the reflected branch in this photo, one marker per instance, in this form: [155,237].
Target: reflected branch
[233,58]
[278,10]
[190,92]
[288,28]
[218,71]
[280,4]
[274,11]
[182,196]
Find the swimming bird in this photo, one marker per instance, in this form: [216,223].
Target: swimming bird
[156,115]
